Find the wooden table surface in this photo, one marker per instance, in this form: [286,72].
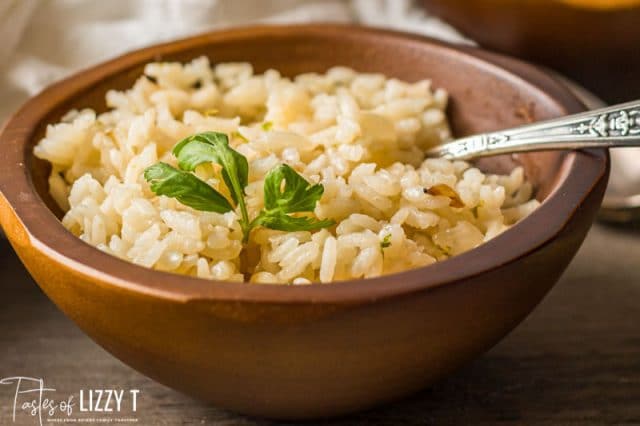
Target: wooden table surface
[574,361]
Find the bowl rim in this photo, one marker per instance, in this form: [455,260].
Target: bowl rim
[582,170]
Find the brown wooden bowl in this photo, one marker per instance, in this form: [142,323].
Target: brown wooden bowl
[318,350]
[594,43]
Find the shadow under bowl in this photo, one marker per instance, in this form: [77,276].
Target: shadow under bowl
[319,350]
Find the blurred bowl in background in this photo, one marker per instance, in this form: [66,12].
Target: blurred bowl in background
[595,42]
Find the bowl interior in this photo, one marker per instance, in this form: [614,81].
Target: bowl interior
[483,97]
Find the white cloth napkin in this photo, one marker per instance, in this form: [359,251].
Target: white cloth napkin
[45,40]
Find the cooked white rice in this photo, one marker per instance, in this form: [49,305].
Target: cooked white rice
[360,135]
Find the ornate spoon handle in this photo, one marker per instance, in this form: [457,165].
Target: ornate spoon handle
[614,126]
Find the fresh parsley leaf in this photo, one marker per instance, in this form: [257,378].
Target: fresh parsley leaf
[282,222]
[214,147]
[267,125]
[285,190]
[186,188]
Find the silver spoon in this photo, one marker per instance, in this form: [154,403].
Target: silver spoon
[611,127]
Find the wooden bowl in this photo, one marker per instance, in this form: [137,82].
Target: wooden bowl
[593,42]
[318,350]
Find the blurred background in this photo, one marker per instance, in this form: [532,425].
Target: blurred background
[45,40]
[594,42]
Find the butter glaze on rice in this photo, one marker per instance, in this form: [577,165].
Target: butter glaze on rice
[360,135]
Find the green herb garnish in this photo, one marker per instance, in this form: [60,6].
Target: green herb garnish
[186,188]
[386,242]
[267,125]
[239,136]
[286,193]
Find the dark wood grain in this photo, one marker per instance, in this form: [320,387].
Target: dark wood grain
[574,361]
